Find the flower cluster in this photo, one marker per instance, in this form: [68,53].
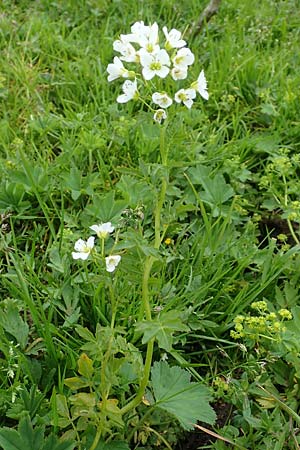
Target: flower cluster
[83,249]
[262,324]
[141,49]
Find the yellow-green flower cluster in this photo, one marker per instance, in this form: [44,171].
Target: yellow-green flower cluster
[261,324]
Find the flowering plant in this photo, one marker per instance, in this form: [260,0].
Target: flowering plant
[83,249]
[141,50]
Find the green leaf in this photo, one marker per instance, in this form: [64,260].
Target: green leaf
[11,440]
[13,324]
[85,366]
[216,190]
[114,445]
[52,443]
[62,406]
[173,392]
[76,383]
[29,438]
[105,208]
[135,191]
[162,328]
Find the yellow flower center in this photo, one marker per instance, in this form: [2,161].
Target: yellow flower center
[155,66]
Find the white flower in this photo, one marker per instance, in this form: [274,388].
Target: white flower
[83,248]
[185,96]
[161,99]
[160,115]
[103,229]
[155,64]
[183,58]
[201,85]
[173,39]
[127,50]
[179,73]
[117,70]
[144,35]
[111,262]
[130,91]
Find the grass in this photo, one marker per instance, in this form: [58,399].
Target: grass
[229,220]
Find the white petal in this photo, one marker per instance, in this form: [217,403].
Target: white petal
[83,255]
[123,98]
[163,72]
[90,242]
[163,57]
[79,245]
[188,103]
[147,73]
[179,73]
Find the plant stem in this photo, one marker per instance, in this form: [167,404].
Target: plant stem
[146,308]
[139,396]
[288,220]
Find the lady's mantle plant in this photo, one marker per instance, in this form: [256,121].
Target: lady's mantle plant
[146,59]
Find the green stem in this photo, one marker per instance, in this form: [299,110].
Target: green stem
[288,220]
[139,396]
[146,308]
[97,438]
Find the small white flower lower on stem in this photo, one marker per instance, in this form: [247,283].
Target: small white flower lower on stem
[154,64]
[111,262]
[103,229]
[160,115]
[127,50]
[185,96]
[83,248]
[173,38]
[201,85]
[117,70]
[162,99]
[130,91]
[179,73]
[183,58]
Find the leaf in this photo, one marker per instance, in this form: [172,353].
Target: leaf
[105,208]
[85,366]
[62,406]
[13,324]
[162,328]
[216,190]
[52,443]
[76,383]
[11,440]
[29,438]
[135,191]
[112,411]
[173,392]
[114,445]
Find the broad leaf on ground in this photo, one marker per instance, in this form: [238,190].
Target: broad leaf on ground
[173,392]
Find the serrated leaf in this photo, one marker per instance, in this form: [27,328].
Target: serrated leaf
[162,328]
[85,366]
[11,440]
[173,392]
[52,443]
[13,324]
[216,190]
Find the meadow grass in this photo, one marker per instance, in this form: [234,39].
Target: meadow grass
[71,157]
